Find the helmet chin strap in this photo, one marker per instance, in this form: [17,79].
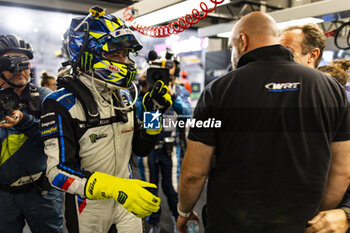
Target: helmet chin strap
[10,83]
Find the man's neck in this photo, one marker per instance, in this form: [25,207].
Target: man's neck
[19,90]
[311,65]
[261,42]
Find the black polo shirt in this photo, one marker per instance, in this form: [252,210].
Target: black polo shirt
[278,119]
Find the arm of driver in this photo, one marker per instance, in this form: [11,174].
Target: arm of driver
[338,175]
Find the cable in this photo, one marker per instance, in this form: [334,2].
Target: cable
[110,103]
[345,27]
[83,47]
[173,28]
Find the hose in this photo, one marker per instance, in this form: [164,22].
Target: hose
[176,26]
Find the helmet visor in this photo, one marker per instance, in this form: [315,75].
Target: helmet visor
[123,38]
[124,41]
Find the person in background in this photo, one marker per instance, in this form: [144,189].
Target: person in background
[307,44]
[25,194]
[185,81]
[165,157]
[273,147]
[90,129]
[142,89]
[336,72]
[48,81]
[343,63]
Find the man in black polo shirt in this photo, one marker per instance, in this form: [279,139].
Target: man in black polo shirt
[307,43]
[280,123]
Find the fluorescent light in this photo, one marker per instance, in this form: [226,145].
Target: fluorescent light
[174,12]
[224,34]
[283,25]
[298,22]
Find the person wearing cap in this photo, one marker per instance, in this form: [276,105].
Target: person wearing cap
[25,194]
[90,129]
[185,81]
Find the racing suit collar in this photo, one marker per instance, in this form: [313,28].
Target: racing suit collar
[90,81]
[99,89]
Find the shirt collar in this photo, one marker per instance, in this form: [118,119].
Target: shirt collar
[266,54]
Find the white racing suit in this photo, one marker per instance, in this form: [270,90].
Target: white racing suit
[75,150]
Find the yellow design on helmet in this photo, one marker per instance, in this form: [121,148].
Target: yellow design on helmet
[106,34]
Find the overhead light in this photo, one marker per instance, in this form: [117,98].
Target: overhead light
[224,34]
[298,22]
[283,25]
[174,12]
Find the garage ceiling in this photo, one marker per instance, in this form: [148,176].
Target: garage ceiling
[75,7]
[223,14]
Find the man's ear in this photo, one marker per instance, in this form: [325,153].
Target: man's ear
[313,55]
[243,41]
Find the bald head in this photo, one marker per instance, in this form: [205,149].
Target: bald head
[257,24]
[252,31]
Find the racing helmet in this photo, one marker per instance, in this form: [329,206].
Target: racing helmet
[96,35]
[12,43]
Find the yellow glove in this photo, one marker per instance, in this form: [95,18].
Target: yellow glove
[130,193]
[158,99]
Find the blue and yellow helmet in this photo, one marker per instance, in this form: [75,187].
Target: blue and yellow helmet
[106,33]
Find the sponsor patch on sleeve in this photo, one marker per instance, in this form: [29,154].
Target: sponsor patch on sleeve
[49,130]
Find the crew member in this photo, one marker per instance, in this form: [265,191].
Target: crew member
[284,139]
[25,194]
